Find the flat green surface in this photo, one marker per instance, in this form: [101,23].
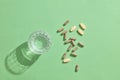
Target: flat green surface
[98,60]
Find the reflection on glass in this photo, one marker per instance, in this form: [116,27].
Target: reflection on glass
[20,59]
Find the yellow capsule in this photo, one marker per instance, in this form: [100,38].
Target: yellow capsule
[82,26]
[66,60]
[80,32]
[72,28]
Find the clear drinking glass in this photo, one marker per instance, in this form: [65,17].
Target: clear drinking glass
[20,59]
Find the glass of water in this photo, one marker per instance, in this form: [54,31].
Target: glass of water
[21,58]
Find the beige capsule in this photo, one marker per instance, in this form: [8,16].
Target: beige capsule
[64,36]
[82,26]
[64,56]
[66,22]
[72,28]
[75,49]
[60,29]
[64,32]
[66,60]
[72,42]
[67,41]
[76,68]
[70,47]
[80,32]
[81,44]
[73,54]
[72,38]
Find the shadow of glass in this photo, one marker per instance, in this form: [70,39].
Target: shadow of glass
[20,59]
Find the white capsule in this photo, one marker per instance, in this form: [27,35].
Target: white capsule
[80,32]
[66,60]
[82,26]
[72,28]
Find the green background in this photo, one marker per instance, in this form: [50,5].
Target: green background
[98,60]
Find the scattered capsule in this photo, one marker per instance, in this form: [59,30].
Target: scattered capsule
[80,32]
[76,68]
[60,29]
[66,60]
[82,26]
[69,48]
[68,41]
[72,28]
[64,36]
[64,32]
[75,49]
[80,44]
[72,42]
[73,54]
[64,56]
[72,39]
[66,22]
